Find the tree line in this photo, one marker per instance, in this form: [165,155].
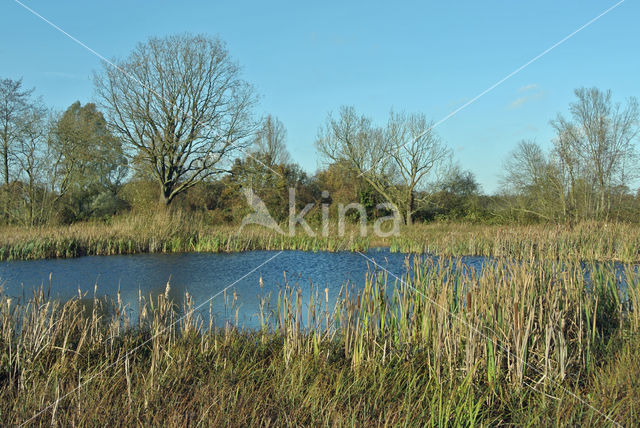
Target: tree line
[174,126]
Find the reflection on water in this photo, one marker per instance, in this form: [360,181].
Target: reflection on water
[203,275]
[200,274]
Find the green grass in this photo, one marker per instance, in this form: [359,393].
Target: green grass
[520,343]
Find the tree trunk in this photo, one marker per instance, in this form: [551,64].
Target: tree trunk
[165,195]
[4,194]
[5,159]
[410,208]
[164,200]
[603,209]
[31,198]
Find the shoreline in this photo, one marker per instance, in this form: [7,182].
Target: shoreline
[137,235]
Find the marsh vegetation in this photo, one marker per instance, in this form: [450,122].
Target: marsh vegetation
[512,343]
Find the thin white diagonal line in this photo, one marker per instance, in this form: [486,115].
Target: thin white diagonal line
[130,352]
[130,76]
[522,67]
[481,333]
[505,78]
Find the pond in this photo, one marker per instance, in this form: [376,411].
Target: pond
[202,275]
[205,275]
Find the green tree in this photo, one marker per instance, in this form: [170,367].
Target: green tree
[33,202]
[16,103]
[456,195]
[271,184]
[346,186]
[89,161]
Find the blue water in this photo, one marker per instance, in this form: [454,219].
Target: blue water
[202,275]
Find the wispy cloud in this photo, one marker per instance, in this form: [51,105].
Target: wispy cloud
[518,102]
[533,92]
[528,87]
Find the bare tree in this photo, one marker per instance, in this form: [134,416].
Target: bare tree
[535,180]
[524,167]
[351,140]
[591,164]
[180,106]
[270,142]
[395,161]
[416,151]
[598,141]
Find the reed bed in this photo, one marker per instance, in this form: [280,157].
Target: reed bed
[162,233]
[527,343]
[180,232]
[585,241]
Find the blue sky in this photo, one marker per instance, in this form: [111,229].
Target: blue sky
[308,59]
